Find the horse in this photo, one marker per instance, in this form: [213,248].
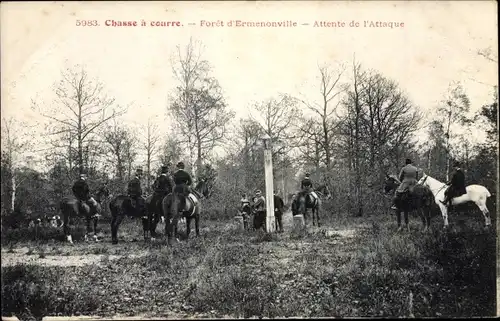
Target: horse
[155,213]
[172,212]
[419,198]
[477,194]
[246,211]
[121,206]
[72,208]
[309,201]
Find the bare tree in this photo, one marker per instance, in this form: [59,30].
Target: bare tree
[81,107]
[198,106]
[15,142]
[278,118]
[453,111]
[331,90]
[171,152]
[120,141]
[151,138]
[390,118]
[352,127]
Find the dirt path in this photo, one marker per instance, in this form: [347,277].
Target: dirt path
[70,256]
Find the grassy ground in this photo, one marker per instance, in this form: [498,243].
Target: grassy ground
[348,267]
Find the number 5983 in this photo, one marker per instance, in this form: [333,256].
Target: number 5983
[87,23]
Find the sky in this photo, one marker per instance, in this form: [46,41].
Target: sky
[437,45]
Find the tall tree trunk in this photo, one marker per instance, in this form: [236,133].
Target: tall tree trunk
[13,192]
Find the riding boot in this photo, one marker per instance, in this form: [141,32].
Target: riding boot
[394,202]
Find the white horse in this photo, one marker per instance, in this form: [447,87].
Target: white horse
[475,193]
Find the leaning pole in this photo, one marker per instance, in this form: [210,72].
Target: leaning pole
[268,171]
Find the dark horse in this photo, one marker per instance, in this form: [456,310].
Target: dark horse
[172,212]
[71,208]
[120,207]
[305,202]
[246,212]
[420,199]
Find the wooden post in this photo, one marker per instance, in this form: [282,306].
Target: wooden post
[268,166]
[268,171]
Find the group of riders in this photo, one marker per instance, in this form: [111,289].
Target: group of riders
[179,183]
[409,178]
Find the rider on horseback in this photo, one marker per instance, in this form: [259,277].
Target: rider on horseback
[408,178]
[182,181]
[162,185]
[134,190]
[82,192]
[456,185]
[306,186]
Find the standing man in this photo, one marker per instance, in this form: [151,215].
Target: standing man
[278,212]
[260,210]
[134,190]
[102,194]
[457,185]
[408,179]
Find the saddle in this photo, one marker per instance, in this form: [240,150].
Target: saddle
[84,207]
[191,202]
[312,197]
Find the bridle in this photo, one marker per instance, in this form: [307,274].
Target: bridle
[439,190]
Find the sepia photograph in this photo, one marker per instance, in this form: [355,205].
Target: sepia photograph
[249,159]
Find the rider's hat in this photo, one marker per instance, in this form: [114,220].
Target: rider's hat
[258,191]
[307,174]
[408,161]
[83,176]
[456,164]
[164,168]
[138,170]
[180,165]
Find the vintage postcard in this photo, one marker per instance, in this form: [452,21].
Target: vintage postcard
[249,159]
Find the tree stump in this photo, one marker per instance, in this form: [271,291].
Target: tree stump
[298,222]
[238,219]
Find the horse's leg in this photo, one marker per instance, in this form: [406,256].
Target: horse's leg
[115,223]
[197,223]
[428,214]
[398,216]
[486,214]
[407,223]
[66,227]
[87,226]
[317,216]
[188,226]
[172,224]
[95,219]
[145,227]
[444,213]
[422,215]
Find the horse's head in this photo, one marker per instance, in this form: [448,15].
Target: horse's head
[202,188]
[390,183]
[423,180]
[324,191]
